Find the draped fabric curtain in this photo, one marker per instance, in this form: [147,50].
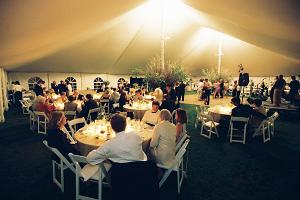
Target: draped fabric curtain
[3,94]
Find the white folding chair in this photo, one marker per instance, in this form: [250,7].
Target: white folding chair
[32,120]
[272,122]
[25,106]
[62,166]
[42,121]
[173,118]
[91,111]
[240,136]
[70,114]
[98,177]
[264,130]
[198,111]
[104,105]
[72,124]
[72,141]
[208,125]
[177,166]
[177,148]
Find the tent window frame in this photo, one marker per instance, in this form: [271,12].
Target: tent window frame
[33,81]
[72,81]
[98,82]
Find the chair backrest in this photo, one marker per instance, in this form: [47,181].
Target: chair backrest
[95,112]
[72,124]
[68,135]
[23,103]
[173,118]
[77,159]
[180,143]
[240,122]
[41,114]
[60,156]
[274,116]
[205,118]
[70,114]
[182,150]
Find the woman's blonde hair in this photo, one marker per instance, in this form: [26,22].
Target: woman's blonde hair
[165,115]
[55,119]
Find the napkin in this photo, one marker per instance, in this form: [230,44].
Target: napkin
[88,171]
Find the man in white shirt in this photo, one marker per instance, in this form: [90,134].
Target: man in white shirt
[151,116]
[115,96]
[125,147]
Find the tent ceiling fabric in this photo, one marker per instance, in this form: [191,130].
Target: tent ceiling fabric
[104,37]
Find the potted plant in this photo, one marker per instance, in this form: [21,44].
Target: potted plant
[106,83]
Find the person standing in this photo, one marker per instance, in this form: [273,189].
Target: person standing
[222,87]
[278,89]
[54,87]
[38,88]
[234,89]
[207,89]
[294,87]
[181,90]
[69,88]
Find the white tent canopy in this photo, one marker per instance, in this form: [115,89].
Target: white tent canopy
[113,36]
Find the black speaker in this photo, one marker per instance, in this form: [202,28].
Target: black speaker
[243,79]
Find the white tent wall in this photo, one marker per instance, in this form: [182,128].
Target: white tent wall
[3,94]
[83,80]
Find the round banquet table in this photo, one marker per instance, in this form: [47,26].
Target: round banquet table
[91,137]
[220,112]
[138,111]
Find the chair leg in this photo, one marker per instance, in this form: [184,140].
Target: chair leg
[62,181]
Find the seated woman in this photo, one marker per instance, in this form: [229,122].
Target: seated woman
[63,97]
[181,120]
[258,115]
[70,105]
[41,106]
[163,140]
[56,137]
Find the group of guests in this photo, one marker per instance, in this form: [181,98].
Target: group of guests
[254,110]
[127,146]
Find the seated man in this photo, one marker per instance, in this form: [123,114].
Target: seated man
[125,147]
[138,95]
[88,105]
[240,110]
[151,116]
[70,105]
[258,115]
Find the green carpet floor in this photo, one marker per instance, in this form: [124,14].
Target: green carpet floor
[217,169]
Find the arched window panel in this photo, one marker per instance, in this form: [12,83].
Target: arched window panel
[33,81]
[72,81]
[98,83]
[121,80]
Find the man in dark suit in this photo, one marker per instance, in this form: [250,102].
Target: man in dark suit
[38,88]
[89,104]
[170,99]
[240,110]
[54,87]
[62,87]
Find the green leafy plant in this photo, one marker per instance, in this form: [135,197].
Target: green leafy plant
[155,76]
[106,83]
[212,75]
